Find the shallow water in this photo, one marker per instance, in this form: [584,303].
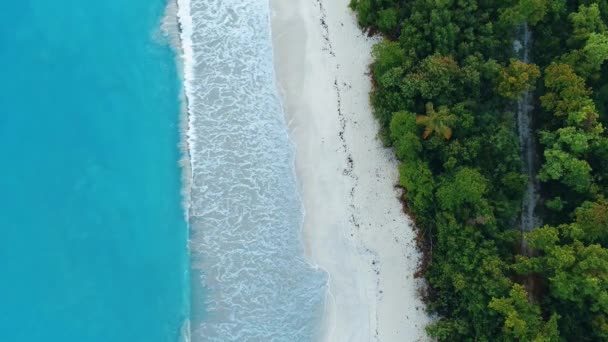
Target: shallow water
[250,279]
[93,244]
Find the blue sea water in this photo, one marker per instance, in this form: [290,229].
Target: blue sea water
[92,232]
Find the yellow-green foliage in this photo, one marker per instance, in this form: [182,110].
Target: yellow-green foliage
[517,78]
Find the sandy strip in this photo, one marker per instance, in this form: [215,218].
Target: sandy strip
[354,225]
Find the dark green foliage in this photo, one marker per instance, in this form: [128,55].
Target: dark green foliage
[445,90]
[436,101]
[571,253]
[592,222]
[464,194]
[577,276]
[417,180]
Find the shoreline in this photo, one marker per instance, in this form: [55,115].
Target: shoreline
[171,30]
[184,54]
[354,225]
[172,26]
[225,291]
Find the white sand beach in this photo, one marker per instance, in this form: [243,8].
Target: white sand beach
[354,226]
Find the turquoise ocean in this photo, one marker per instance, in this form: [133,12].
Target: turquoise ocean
[93,243]
[103,236]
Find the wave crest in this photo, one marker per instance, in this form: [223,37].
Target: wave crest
[250,279]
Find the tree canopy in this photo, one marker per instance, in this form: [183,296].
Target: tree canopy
[447,79]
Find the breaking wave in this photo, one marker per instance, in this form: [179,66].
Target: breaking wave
[250,281]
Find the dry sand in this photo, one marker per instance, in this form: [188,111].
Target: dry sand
[354,226]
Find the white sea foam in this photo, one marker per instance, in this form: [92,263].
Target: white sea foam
[185,332]
[171,33]
[249,274]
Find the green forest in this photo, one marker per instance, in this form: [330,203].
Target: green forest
[448,76]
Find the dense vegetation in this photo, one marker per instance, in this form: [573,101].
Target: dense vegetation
[447,81]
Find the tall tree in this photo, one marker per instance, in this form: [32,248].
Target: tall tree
[436,122]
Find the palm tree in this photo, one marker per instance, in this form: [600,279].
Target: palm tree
[436,122]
